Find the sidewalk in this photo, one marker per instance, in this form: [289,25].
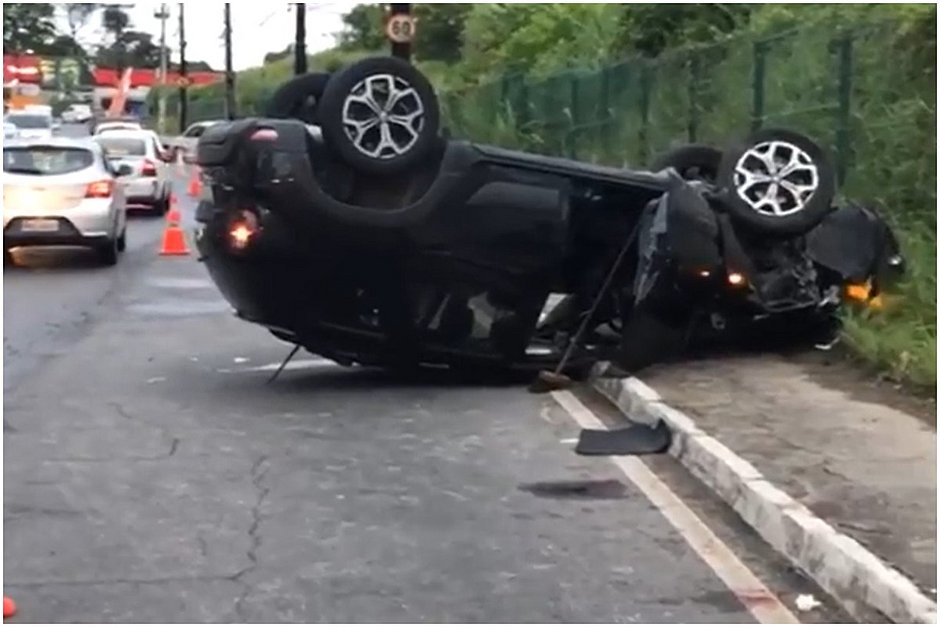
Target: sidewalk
[866,469]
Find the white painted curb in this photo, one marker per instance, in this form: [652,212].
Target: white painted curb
[837,563]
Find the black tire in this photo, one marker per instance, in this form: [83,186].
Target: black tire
[815,207]
[108,252]
[335,133]
[122,241]
[693,162]
[162,206]
[298,98]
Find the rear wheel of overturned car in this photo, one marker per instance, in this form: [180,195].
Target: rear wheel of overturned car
[777,183]
[693,162]
[380,115]
[298,98]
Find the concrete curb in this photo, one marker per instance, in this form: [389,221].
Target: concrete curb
[837,563]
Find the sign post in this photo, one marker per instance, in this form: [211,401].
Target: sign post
[400,30]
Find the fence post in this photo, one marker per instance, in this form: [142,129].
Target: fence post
[607,127]
[575,109]
[760,70]
[646,80]
[844,110]
[695,70]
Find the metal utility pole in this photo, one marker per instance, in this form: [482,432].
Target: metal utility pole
[400,30]
[229,74]
[300,40]
[183,75]
[162,15]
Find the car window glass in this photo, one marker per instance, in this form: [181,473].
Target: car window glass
[46,160]
[30,121]
[118,147]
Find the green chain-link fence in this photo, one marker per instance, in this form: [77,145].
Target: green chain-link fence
[864,94]
[860,93]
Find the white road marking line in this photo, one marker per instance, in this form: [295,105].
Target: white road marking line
[763,604]
[297,364]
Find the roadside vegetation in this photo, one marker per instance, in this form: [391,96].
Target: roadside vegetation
[619,83]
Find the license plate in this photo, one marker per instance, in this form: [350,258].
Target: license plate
[39,225]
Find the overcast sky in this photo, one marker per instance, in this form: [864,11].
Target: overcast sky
[257,28]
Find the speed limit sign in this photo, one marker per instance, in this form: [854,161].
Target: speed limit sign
[400,28]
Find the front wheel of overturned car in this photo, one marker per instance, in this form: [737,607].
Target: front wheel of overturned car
[777,183]
[380,115]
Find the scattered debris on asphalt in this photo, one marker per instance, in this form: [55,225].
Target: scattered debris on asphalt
[806,603]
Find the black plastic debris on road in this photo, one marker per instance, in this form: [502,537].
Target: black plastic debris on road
[637,439]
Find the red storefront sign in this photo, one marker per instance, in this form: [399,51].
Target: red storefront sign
[23,68]
[107,77]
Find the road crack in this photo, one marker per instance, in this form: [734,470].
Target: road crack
[257,479]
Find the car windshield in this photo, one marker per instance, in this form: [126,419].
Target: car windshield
[29,121]
[118,147]
[46,160]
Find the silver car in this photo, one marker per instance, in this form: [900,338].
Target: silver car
[149,185]
[186,143]
[62,192]
[31,124]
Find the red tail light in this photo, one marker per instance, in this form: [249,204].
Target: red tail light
[99,189]
[149,168]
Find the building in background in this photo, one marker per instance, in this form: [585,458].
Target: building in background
[141,82]
[22,80]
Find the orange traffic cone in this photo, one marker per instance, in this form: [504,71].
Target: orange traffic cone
[174,240]
[9,607]
[195,183]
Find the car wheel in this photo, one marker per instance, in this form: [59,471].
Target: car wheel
[777,183]
[122,241]
[108,252]
[298,98]
[380,115]
[693,162]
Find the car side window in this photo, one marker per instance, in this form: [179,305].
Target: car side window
[194,131]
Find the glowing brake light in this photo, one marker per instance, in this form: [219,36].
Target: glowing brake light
[242,229]
[99,189]
[149,168]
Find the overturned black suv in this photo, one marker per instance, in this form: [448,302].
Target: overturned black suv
[345,223]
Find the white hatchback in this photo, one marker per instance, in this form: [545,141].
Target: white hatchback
[62,192]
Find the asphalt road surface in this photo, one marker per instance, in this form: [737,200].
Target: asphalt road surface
[152,475]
